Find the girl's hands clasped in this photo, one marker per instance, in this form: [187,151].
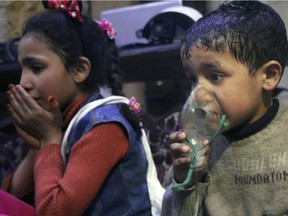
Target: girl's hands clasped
[34,122]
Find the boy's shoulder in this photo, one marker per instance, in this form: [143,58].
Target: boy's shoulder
[281,118]
[283,108]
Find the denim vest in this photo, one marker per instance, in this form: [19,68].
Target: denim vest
[125,190]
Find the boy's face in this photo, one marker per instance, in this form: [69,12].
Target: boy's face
[238,93]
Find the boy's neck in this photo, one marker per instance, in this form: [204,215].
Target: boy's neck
[250,129]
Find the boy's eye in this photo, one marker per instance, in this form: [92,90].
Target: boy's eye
[215,77]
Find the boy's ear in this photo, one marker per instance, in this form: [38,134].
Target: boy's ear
[82,69]
[272,73]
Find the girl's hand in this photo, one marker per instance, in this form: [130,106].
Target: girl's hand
[34,143]
[181,157]
[33,121]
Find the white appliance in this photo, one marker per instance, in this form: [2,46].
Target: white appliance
[128,20]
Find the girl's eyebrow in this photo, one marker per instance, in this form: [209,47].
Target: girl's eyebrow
[28,60]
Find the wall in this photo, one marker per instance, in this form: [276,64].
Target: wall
[98,6]
[13,13]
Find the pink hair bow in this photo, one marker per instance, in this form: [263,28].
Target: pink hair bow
[107,27]
[72,8]
[134,106]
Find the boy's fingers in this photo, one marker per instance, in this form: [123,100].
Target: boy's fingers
[178,136]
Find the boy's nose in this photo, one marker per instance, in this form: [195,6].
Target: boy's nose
[203,93]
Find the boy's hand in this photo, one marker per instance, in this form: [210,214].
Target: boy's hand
[181,157]
[180,153]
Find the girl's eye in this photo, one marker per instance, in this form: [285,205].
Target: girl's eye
[37,68]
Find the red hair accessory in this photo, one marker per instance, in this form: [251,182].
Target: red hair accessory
[134,106]
[107,27]
[72,8]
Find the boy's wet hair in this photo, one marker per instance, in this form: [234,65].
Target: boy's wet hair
[252,31]
[71,39]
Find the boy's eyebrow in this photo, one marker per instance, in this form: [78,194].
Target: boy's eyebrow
[208,65]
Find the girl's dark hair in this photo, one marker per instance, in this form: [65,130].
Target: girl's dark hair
[252,31]
[71,39]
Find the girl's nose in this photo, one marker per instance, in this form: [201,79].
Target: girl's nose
[26,81]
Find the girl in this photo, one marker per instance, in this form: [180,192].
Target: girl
[68,71]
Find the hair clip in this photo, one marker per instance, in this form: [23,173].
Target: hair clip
[72,8]
[107,27]
[134,106]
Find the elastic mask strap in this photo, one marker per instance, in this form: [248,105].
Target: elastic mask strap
[183,185]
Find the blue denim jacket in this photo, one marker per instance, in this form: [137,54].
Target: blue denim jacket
[125,191]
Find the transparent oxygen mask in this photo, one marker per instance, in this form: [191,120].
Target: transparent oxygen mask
[202,120]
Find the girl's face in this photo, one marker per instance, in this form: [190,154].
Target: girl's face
[237,92]
[44,74]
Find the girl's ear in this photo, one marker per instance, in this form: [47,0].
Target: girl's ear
[82,69]
[272,73]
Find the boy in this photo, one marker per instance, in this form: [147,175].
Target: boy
[239,51]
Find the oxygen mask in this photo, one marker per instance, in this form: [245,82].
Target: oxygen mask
[202,120]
